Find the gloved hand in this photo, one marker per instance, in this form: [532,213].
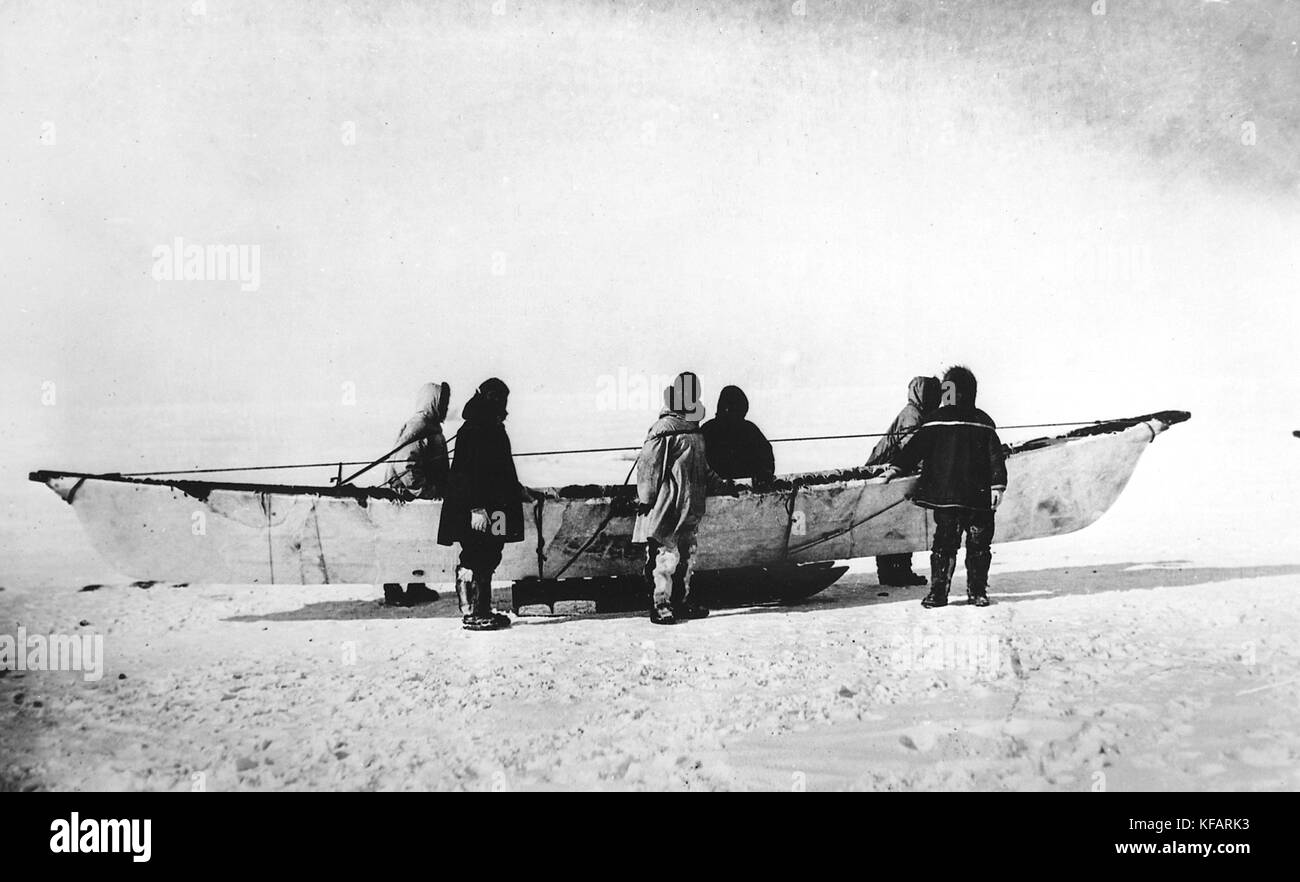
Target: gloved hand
[889,473]
[478,520]
[996,499]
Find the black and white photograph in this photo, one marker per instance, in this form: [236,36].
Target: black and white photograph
[650,396]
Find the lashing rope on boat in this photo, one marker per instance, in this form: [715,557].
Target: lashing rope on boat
[370,464]
[613,510]
[385,457]
[849,529]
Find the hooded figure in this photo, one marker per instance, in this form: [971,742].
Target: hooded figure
[963,476]
[420,469]
[736,448]
[483,509]
[922,397]
[673,479]
[895,570]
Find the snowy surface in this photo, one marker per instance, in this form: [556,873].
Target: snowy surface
[1134,677]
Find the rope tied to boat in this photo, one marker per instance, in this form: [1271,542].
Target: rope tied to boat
[389,454]
[613,511]
[850,528]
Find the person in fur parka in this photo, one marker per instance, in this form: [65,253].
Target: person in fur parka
[673,481]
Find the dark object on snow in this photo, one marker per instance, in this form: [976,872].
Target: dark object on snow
[749,586]
[687,609]
[416,593]
[895,571]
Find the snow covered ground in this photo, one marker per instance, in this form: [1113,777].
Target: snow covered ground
[1128,677]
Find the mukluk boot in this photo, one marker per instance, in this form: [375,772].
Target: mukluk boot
[905,578]
[465,594]
[393,594]
[418,593]
[977,576]
[895,571]
[683,603]
[483,618]
[661,567]
[662,614]
[941,569]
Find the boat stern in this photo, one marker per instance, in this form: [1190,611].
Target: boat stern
[64,485]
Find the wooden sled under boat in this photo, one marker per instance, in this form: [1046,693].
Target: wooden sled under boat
[748,586]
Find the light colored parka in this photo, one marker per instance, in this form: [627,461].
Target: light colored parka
[673,478]
[420,469]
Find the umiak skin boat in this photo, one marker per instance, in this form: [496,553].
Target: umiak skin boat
[214,532]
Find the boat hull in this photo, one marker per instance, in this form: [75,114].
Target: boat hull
[205,532]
